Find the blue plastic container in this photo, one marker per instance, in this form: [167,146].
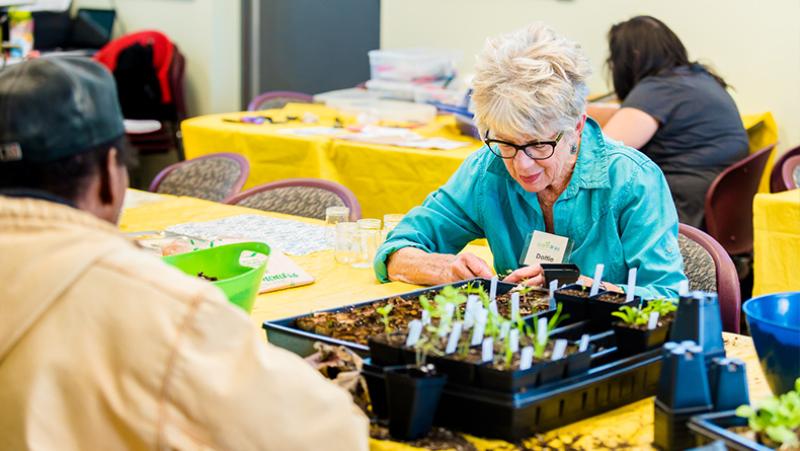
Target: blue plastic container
[774,323]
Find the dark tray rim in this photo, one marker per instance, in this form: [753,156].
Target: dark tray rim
[706,425]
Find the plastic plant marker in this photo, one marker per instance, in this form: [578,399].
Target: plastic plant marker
[652,321]
[631,285]
[541,331]
[504,328]
[514,306]
[487,350]
[584,344]
[513,340]
[469,311]
[683,288]
[598,277]
[553,287]
[426,317]
[493,308]
[414,331]
[447,317]
[480,327]
[559,349]
[452,340]
[493,289]
[526,358]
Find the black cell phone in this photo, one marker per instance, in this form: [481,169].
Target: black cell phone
[565,273]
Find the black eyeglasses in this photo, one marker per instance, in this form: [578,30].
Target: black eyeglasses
[535,150]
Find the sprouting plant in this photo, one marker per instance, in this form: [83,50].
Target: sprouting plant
[524,289]
[508,355]
[533,333]
[662,306]
[384,312]
[426,345]
[777,418]
[633,316]
[450,295]
[473,288]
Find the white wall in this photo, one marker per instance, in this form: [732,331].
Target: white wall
[754,45]
[208,33]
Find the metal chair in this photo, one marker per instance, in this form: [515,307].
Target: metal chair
[306,197]
[214,177]
[277,99]
[777,179]
[729,203]
[709,268]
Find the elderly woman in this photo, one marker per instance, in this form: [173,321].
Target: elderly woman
[544,167]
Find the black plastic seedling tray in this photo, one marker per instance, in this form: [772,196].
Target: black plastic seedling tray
[285,333]
[610,383]
[711,427]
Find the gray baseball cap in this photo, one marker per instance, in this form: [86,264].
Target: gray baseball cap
[55,107]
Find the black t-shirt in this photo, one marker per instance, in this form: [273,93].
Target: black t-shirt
[700,133]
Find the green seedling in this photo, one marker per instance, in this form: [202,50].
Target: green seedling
[632,316]
[533,332]
[777,417]
[662,306]
[384,312]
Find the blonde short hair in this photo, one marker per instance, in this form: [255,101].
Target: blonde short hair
[530,82]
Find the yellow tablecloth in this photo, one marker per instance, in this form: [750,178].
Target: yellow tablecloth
[385,179]
[630,426]
[776,242]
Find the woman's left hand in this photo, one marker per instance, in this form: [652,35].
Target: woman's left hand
[532,276]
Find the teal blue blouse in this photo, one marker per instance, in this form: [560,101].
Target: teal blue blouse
[617,209]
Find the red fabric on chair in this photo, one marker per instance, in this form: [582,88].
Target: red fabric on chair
[163,50]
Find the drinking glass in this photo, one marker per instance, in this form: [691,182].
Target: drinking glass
[347,242]
[369,234]
[335,215]
[390,221]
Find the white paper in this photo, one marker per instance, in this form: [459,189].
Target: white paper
[631,285]
[541,331]
[414,331]
[598,277]
[584,344]
[452,340]
[515,305]
[493,289]
[652,321]
[487,350]
[546,248]
[526,358]
[559,349]
[513,340]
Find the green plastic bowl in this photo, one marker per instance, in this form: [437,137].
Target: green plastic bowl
[239,283]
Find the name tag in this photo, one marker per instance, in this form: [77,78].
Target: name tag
[545,247]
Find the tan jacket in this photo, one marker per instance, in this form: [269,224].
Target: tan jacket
[103,346]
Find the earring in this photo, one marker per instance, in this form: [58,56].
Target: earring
[574,149]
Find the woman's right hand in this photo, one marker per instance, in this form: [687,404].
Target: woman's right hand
[466,266]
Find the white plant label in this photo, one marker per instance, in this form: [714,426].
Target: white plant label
[426,317]
[447,318]
[631,285]
[598,277]
[480,326]
[553,287]
[487,350]
[683,288]
[469,311]
[526,358]
[559,349]
[513,340]
[493,308]
[452,340]
[515,305]
[414,331]
[652,321]
[584,344]
[493,289]
[504,328]
[541,331]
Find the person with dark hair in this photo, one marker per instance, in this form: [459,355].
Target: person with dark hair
[674,110]
[103,345]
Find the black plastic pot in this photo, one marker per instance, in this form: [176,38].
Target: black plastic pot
[457,371]
[579,362]
[376,385]
[385,354]
[600,311]
[670,427]
[714,426]
[576,306]
[413,397]
[506,380]
[633,341]
[551,370]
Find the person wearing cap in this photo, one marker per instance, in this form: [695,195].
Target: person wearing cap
[102,345]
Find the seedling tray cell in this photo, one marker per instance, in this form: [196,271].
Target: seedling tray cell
[710,427]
